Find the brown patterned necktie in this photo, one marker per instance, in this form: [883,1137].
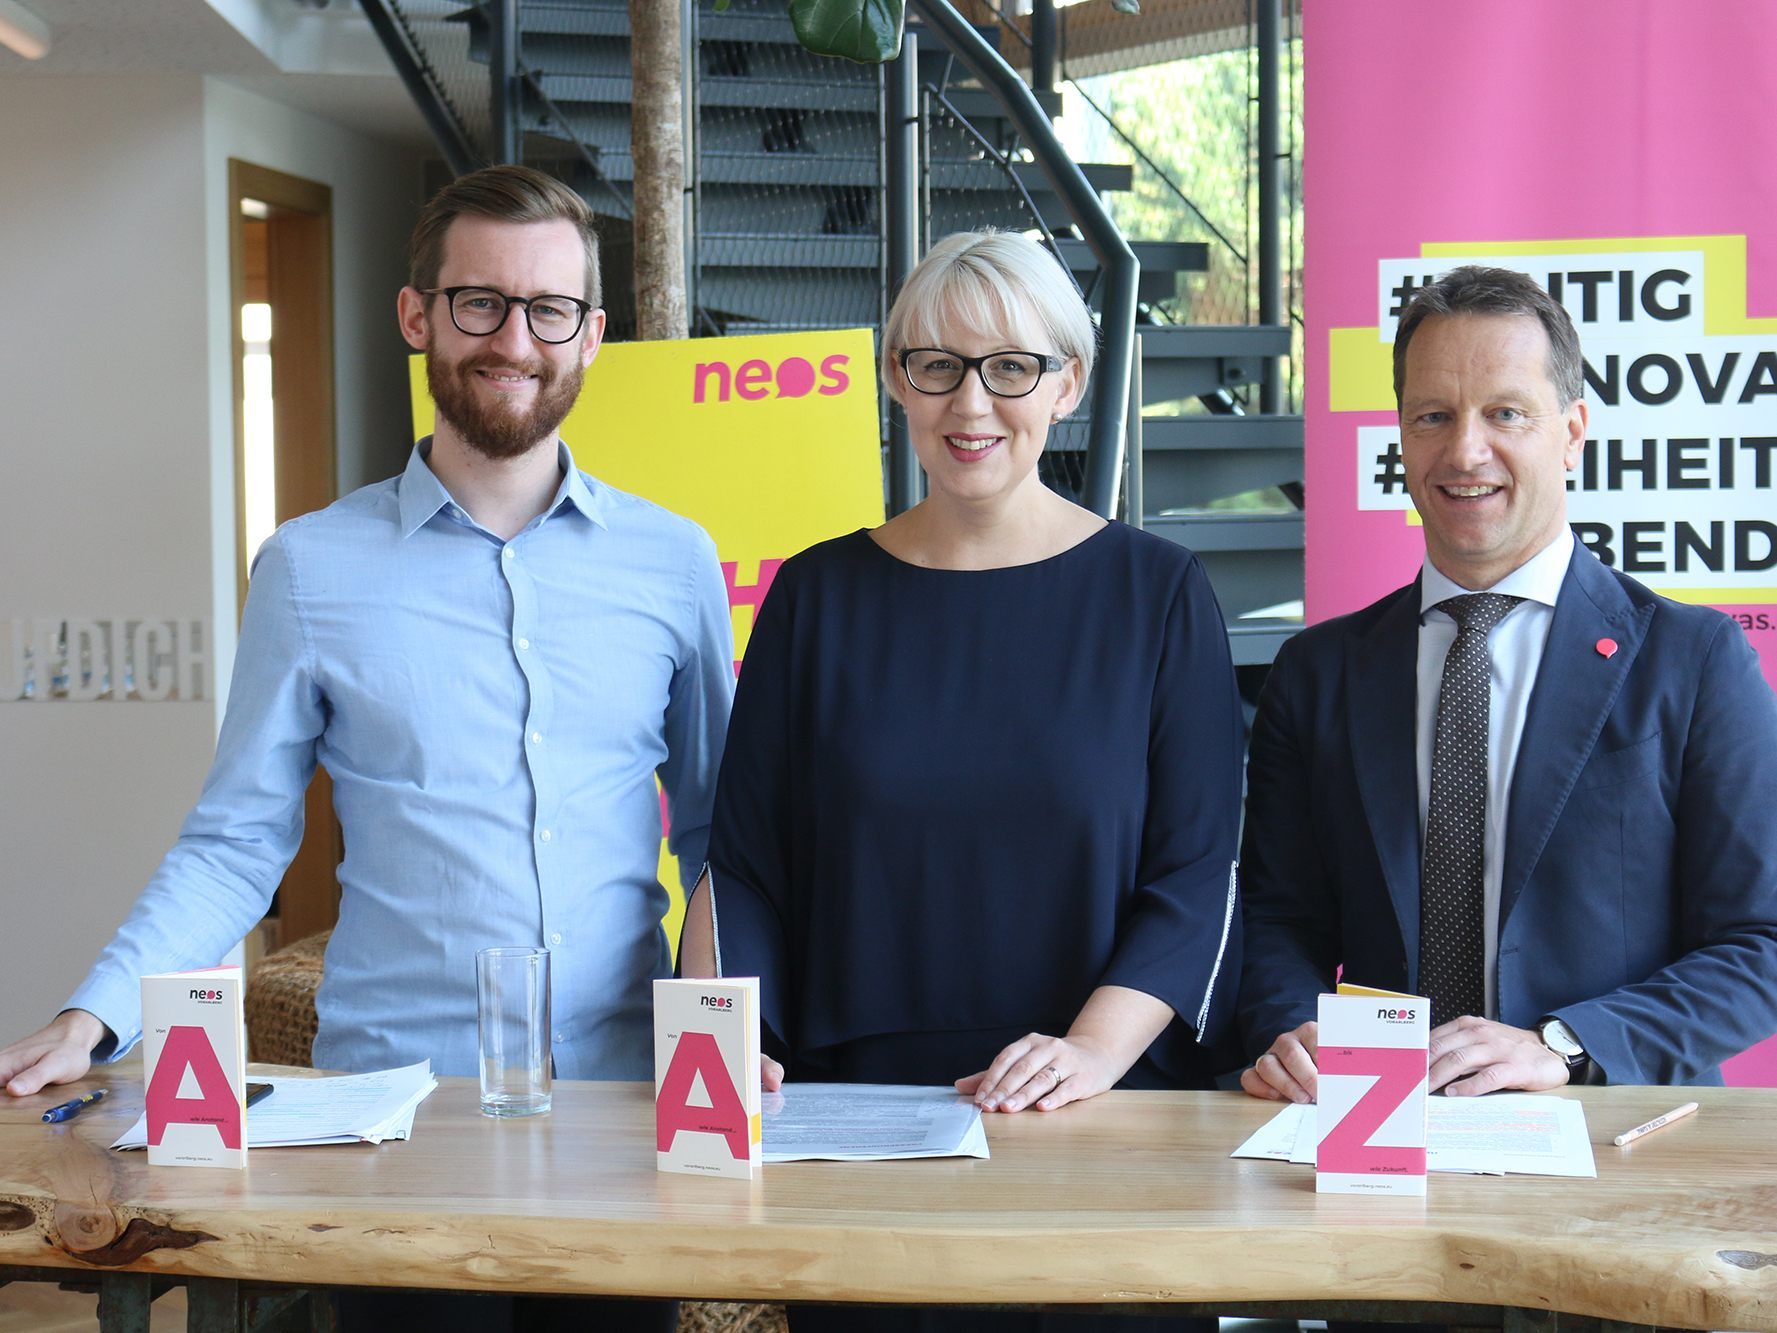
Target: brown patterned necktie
[1452,899]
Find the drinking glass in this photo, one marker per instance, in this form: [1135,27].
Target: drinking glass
[512,1010]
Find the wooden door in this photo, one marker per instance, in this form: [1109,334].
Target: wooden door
[281,250]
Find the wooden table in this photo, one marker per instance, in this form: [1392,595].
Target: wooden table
[1130,1199]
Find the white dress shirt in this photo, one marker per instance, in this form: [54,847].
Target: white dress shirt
[1515,648]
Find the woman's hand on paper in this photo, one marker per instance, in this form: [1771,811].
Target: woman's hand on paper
[771,1074]
[1047,1072]
[1286,1072]
[1116,1025]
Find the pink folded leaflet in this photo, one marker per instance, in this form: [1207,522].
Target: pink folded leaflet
[707,1118]
[194,1050]
[1370,1121]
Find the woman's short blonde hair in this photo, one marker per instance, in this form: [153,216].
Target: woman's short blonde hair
[989,282]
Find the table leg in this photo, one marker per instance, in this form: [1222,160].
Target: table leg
[124,1299]
[213,1305]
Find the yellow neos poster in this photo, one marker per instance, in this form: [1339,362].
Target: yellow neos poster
[770,443]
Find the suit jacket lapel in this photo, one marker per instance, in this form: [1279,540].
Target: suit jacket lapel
[1576,686]
[1381,684]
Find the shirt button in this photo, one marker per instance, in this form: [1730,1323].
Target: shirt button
[555,938]
[546,835]
[536,738]
[508,552]
[559,1039]
[524,645]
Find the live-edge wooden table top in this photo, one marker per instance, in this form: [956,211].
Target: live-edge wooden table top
[1128,1198]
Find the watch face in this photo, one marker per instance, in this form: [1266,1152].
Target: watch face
[1559,1038]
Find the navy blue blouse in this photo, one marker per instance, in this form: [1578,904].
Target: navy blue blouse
[955,802]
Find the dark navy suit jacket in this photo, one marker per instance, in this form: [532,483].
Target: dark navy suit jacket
[1639,893]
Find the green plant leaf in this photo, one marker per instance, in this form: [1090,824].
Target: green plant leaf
[722,6]
[867,31]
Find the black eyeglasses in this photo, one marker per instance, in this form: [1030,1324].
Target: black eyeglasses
[933,370]
[482,311]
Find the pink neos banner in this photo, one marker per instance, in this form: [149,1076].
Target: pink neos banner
[1622,152]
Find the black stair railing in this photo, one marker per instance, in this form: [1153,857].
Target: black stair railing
[415,69]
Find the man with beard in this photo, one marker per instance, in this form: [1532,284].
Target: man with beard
[493,655]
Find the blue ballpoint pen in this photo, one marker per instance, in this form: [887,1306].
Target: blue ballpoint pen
[68,1110]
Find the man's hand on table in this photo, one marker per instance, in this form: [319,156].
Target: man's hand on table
[59,1053]
[1470,1056]
[1286,1072]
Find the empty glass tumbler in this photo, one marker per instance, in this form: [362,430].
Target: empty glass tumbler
[512,1007]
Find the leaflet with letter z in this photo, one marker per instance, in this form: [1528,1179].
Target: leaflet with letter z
[1371,1117]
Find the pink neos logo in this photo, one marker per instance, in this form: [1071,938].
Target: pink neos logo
[206,995]
[793,377]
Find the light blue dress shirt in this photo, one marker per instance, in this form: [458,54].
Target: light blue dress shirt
[493,714]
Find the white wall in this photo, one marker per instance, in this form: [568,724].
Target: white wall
[117,452]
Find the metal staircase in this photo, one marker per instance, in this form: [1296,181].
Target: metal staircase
[786,232]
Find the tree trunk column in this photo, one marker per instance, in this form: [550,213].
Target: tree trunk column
[657,144]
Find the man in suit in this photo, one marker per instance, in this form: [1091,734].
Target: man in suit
[1523,785]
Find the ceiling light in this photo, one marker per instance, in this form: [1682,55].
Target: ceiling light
[23,31]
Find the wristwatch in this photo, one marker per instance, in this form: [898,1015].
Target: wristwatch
[1559,1038]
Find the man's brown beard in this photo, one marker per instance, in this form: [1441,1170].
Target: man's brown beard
[492,429]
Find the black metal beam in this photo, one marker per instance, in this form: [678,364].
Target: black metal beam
[1122,271]
[1270,190]
[502,72]
[1044,41]
[459,154]
[901,234]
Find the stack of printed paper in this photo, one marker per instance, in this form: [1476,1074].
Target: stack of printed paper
[346,1108]
[859,1122]
[1521,1133]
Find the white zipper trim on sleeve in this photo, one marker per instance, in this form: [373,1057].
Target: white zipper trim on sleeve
[1221,948]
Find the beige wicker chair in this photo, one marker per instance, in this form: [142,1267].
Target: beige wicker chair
[281,1031]
[281,1003]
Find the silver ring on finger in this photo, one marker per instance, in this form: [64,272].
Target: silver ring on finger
[1053,1073]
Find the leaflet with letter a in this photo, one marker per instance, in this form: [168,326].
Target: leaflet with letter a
[194,1054]
[1370,1126]
[706,1077]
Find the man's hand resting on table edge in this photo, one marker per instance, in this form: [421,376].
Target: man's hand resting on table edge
[1469,1056]
[59,1053]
